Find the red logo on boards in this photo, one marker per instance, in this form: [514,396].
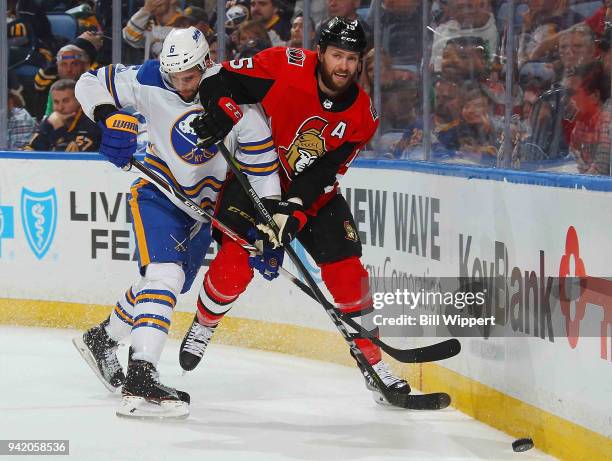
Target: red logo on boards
[595,291]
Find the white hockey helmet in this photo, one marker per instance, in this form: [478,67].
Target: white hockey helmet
[182,50]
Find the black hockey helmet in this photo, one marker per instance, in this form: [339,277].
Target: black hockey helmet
[343,33]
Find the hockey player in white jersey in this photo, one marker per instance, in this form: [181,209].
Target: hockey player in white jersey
[171,244]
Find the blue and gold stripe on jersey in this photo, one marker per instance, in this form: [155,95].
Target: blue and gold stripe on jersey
[159,322]
[259,169]
[163,297]
[110,83]
[160,167]
[210,182]
[258,147]
[208,205]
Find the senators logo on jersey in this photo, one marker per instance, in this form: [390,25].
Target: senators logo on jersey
[306,147]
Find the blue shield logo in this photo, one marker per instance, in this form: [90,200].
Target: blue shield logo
[39,219]
[7,230]
[308,262]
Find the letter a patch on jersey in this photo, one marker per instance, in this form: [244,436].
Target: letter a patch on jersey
[338,132]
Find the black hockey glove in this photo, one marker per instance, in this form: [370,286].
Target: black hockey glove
[211,128]
[220,115]
[290,218]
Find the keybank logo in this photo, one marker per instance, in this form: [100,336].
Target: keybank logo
[39,219]
[7,224]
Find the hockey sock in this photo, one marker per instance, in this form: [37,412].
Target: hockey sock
[153,310]
[228,276]
[347,281]
[122,317]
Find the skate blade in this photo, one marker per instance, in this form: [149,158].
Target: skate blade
[140,408]
[89,359]
[380,399]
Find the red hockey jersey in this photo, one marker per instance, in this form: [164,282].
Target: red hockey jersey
[316,137]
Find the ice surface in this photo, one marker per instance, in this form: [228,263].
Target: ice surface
[246,405]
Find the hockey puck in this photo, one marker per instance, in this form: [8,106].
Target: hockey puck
[520,445]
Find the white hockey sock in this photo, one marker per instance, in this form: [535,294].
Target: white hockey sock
[122,316]
[153,310]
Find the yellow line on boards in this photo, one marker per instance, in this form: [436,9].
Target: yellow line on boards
[254,334]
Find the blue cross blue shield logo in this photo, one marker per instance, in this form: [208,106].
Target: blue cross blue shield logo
[39,219]
[7,227]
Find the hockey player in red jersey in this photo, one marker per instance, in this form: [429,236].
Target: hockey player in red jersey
[320,119]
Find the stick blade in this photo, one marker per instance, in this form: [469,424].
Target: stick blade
[439,351]
[433,401]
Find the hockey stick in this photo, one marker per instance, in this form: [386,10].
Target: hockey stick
[190,204]
[433,401]
[431,353]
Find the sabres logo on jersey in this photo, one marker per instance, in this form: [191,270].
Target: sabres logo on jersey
[185,141]
[306,147]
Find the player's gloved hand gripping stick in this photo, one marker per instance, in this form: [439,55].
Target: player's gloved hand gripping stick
[289,217]
[424,402]
[270,261]
[214,124]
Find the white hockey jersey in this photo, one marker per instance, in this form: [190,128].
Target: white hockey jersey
[172,150]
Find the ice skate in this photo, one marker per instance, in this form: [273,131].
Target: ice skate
[144,397]
[394,383]
[100,353]
[194,344]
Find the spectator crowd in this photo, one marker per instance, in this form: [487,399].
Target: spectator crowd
[560,98]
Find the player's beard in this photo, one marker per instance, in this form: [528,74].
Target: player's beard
[190,96]
[328,80]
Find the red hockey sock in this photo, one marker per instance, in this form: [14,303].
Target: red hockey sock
[347,281]
[227,277]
